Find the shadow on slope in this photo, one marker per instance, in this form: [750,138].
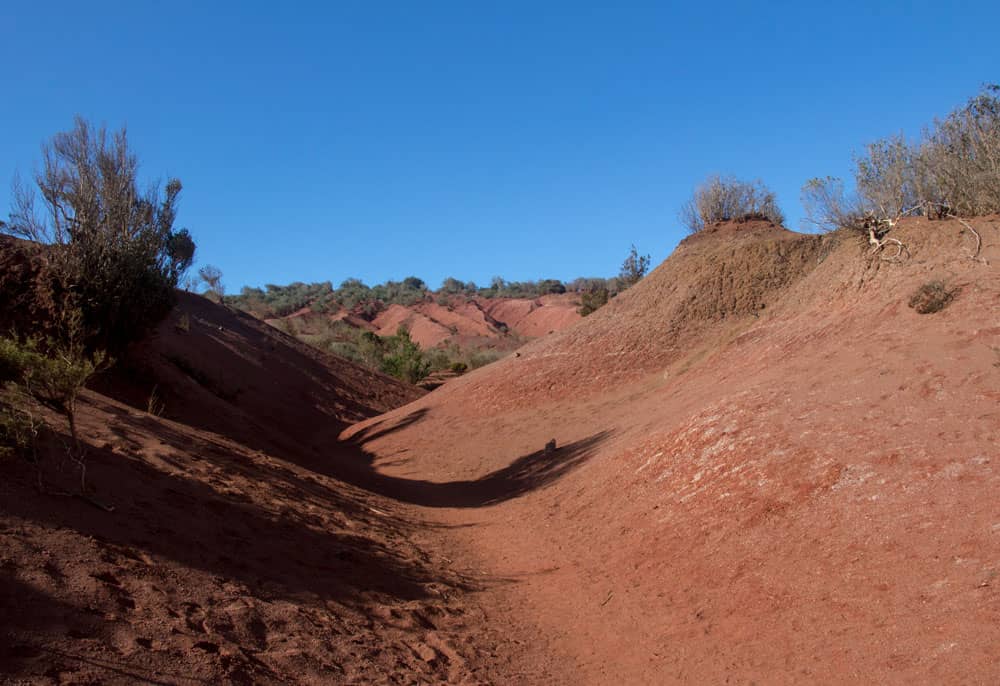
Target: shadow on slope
[227,372]
[527,473]
[196,509]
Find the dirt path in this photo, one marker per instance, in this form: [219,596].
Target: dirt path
[808,497]
[802,493]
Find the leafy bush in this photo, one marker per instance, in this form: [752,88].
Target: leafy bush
[727,198]
[53,377]
[19,426]
[633,268]
[401,357]
[114,253]
[593,301]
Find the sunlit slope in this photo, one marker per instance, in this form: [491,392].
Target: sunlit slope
[790,473]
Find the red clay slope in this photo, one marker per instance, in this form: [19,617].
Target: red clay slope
[236,552]
[501,323]
[770,468]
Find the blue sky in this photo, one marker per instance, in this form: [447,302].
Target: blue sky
[320,141]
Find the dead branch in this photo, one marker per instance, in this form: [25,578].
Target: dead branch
[879,244]
[979,240]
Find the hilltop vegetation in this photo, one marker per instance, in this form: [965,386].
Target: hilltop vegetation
[339,320]
[274,301]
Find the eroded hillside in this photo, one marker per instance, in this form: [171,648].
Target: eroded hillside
[770,467]
[236,552]
[767,467]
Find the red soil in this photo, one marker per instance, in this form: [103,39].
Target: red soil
[481,323]
[537,317]
[768,469]
[235,552]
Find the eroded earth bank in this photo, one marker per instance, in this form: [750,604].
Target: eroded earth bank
[768,467]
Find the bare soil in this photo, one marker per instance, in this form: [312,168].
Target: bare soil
[768,468]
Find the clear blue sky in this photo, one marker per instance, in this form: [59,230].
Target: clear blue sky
[319,141]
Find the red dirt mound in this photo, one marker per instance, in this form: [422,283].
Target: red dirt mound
[537,317]
[767,468]
[461,320]
[501,323]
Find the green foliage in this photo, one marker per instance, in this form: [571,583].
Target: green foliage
[19,426]
[54,377]
[633,268]
[551,286]
[114,252]
[403,359]
[451,286]
[353,295]
[501,288]
[593,301]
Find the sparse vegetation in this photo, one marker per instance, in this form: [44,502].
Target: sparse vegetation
[402,358]
[827,205]
[52,376]
[726,198]
[19,424]
[113,252]
[353,295]
[952,170]
[931,297]
[633,268]
[592,301]
[211,277]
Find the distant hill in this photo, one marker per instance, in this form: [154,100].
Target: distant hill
[457,327]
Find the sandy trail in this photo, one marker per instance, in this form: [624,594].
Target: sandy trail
[808,498]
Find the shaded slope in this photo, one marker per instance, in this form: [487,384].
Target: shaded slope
[799,480]
[227,372]
[235,553]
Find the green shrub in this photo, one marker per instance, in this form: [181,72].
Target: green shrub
[402,358]
[114,253]
[593,301]
[19,425]
[633,268]
[53,377]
